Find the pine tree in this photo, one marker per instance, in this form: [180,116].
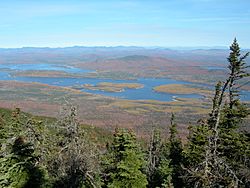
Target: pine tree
[233,142]
[126,162]
[175,154]
[220,163]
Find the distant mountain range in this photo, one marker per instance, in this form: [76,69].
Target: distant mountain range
[81,54]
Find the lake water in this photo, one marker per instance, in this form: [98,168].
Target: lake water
[42,66]
[214,68]
[145,93]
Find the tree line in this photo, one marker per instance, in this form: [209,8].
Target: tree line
[37,153]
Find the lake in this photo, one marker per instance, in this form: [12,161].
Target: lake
[145,93]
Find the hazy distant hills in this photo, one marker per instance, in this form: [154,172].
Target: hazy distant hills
[78,55]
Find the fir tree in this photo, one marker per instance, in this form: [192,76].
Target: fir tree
[126,162]
[175,154]
[220,163]
[19,165]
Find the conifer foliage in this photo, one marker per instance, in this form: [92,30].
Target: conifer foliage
[159,172]
[19,161]
[126,162]
[221,162]
[175,154]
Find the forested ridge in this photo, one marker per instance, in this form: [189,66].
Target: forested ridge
[45,152]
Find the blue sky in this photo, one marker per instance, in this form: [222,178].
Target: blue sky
[166,23]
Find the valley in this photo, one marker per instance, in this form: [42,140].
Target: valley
[113,87]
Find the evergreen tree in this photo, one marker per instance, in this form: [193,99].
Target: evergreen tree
[158,163]
[164,171]
[125,162]
[220,163]
[19,163]
[175,154]
[232,142]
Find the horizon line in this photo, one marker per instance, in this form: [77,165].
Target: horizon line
[129,46]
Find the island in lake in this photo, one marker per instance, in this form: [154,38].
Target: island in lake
[181,89]
[110,87]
